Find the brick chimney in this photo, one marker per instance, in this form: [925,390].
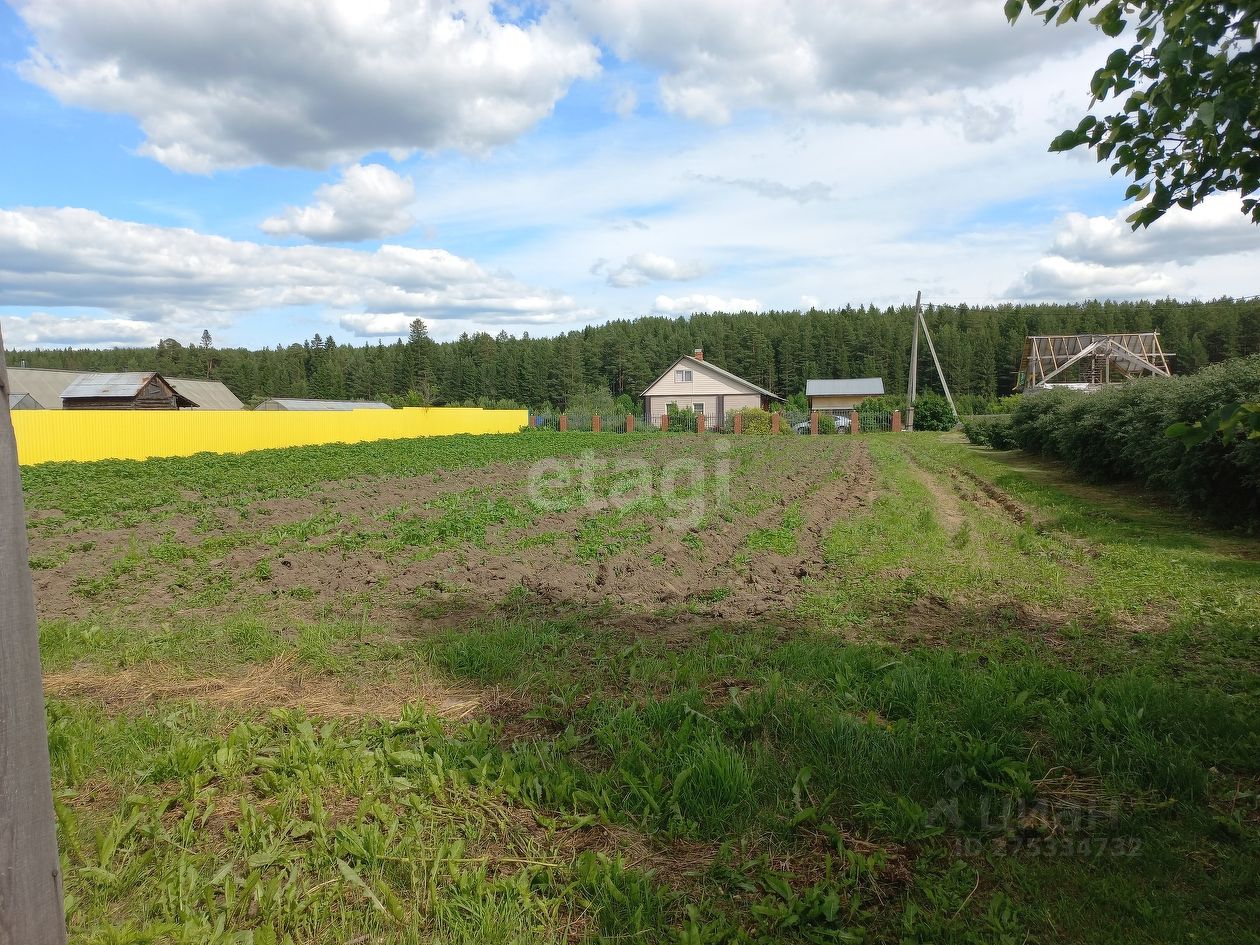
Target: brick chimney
[699,354]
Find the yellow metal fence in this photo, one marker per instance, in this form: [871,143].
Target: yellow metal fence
[45,436]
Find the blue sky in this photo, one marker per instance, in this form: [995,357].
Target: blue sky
[268,169]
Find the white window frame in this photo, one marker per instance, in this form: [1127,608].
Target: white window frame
[683,376]
[698,408]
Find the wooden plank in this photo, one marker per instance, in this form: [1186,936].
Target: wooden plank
[30,874]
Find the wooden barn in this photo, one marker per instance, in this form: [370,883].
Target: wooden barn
[132,391]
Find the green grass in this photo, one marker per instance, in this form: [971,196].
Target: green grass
[1036,721]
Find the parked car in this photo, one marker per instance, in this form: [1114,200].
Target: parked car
[842,423]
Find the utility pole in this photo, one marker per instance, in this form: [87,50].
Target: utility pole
[31,911]
[913,389]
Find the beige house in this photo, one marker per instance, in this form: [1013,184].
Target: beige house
[842,393]
[692,383]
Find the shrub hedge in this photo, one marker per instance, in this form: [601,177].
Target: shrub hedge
[993,431]
[759,421]
[1118,434]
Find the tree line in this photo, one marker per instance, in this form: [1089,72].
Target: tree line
[979,347]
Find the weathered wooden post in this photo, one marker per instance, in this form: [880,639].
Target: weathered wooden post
[774,422]
[813,423]
[629,423]
[739,422]
[896,421]
[564,423]
[31,911]
[595,423]
[855,423]
[699,423]
[664,423]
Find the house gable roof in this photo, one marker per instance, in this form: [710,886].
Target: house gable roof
[845,387]
[120,386]
[46,384]
[710,366]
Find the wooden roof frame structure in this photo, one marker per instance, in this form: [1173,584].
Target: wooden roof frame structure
[1129,354]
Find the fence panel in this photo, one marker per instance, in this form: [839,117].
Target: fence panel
[612,422]
[874,421]
[45,436]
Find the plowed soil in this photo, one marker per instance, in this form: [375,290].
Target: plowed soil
[336,551]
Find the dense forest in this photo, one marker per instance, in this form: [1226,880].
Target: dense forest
[979,348]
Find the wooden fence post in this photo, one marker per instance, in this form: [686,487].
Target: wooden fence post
[896,421]
[595,423]
[739,423]
[699,423]
[31,911]
[629,423]
[813,423]
[855,423]
[774,422]
[564,423]
[664,423]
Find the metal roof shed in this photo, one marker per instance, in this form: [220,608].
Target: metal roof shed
[130,391]
[20,401]
[302,403]
[46,384]
[845,387]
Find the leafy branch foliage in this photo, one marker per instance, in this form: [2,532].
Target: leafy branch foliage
[1190,124]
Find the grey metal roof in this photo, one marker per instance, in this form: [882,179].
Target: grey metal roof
[209,395]
[22,402]
[845,387]
[107,385]
[716,370]
[45,385]
[298,403]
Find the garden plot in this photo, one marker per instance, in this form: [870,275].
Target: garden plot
[735,532]
[794,689]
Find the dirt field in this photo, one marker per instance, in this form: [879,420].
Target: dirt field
[467,541]
[653,688]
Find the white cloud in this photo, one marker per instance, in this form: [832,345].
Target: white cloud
[642,268]
[685,305]
[176,277]
[42,329]
[369,202]
[874,61]
[1054,278]
[773,189]
[1215,227]
[378,324]
[1103,257]
[982,124]
[623,102]
[289,82]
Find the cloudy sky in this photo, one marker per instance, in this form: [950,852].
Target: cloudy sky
[268,169]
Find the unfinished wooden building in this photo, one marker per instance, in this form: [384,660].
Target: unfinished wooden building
[1087,362]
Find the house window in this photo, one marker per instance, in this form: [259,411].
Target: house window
[682,377]
[699,408]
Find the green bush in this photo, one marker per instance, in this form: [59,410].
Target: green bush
[756,420]
[932,412]
[993,431]
[1117,434]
